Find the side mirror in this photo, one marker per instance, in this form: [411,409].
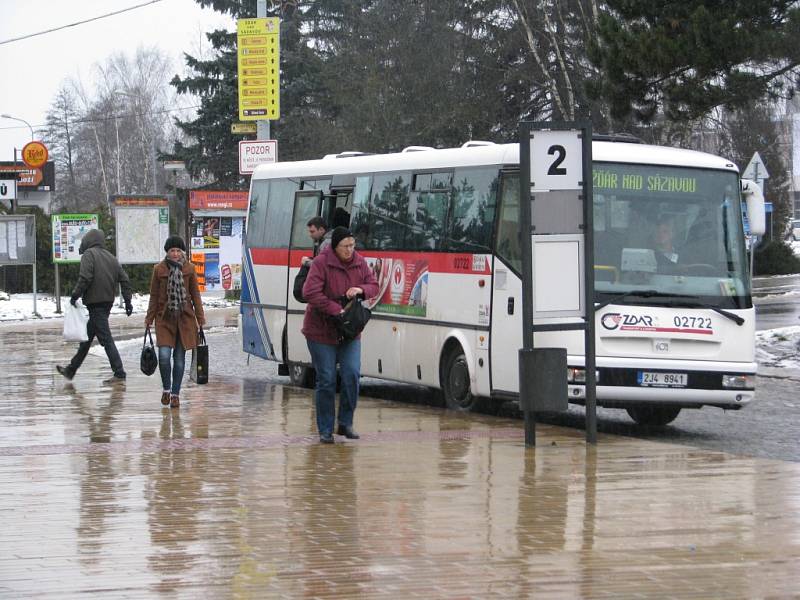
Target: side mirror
[755,207]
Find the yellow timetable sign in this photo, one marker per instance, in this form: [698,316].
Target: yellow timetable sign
[258,53]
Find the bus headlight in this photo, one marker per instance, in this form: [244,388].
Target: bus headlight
[577,375]
[739,382]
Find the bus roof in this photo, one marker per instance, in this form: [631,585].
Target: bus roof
[485,154]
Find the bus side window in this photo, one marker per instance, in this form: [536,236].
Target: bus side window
[508,246]
[389,211]
[257,217]
[359,221]
[472,211]
[305,207]
[278,217]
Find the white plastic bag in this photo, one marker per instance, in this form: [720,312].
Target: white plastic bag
[75,320]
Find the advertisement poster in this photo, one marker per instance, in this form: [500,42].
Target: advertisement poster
[212,276]
[402,285]
[199,262]
[211,232]
[68,231]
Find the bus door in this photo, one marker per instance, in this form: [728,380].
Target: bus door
[307,204]
[337,208]
[506,334]
[266,262]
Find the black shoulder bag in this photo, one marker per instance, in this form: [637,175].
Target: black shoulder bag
[148,362]
[299,282]
[199,369]
[353,320]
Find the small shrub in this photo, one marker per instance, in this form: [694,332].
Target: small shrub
[775,258]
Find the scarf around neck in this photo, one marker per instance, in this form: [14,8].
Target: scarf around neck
[176,293]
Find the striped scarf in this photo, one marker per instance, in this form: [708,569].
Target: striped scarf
[176,293]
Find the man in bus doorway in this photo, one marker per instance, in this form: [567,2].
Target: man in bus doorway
[319,234]
[337,275]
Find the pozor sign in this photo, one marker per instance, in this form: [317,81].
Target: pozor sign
[252,154]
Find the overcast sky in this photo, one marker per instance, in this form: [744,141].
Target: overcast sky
[34,68]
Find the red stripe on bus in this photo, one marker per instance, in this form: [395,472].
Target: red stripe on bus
[438,262]
[269,256]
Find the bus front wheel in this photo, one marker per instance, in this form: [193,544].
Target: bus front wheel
[301,375]
[653,416]
[456,383]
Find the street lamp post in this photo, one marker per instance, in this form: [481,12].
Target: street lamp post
[6,116]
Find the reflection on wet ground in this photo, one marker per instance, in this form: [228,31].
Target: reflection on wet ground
[102,490]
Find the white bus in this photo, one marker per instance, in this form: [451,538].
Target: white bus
[441,230]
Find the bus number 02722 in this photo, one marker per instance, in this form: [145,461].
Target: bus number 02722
[693,322]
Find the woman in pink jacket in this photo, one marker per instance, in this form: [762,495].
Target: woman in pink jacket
[338,271]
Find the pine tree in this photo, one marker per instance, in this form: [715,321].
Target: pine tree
[682,58]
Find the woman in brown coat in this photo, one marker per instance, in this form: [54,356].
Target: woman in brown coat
[177,310]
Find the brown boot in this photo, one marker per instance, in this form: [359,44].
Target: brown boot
[165,398]
[174,401]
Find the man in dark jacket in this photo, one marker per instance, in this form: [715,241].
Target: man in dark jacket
[100,275]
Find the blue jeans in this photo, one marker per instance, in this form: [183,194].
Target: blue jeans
[178,356]
[324,357]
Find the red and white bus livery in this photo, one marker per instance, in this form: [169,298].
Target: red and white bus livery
[675,322]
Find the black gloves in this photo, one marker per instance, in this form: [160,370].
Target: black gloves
[128,308]
[73,300]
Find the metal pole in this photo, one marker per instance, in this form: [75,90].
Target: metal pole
[262,126]
[588,278]
[58,290]
[525,227]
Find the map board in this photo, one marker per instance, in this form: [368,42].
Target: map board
[68,232]
[142,228]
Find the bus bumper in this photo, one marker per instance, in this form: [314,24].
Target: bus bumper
[619,396]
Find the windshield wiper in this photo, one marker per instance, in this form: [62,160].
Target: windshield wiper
[691,302]
[638,294]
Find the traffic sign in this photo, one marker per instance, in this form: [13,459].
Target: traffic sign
[8,189]
[260,152]
[244,128]
[756,170]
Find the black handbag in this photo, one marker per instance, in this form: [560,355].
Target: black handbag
[353,320]
[199,370]
[148,362]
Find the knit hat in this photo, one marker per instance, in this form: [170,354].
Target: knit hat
[338,235]
[174,241]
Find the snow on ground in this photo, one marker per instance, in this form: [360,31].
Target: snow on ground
[779,348]
[19,307]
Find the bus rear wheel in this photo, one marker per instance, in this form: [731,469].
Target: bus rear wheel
[301,375]
[653,416]
[456,383]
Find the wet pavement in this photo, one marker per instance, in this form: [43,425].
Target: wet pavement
[231,496]
[777,301]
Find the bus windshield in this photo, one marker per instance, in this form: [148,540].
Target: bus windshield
[670,232]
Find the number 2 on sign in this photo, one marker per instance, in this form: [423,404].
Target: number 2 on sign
[561,152]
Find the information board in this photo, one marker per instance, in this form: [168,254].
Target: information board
[258,44]
[142,228]
[68,231]
[17,240]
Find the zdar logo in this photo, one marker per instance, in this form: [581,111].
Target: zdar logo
[611,320]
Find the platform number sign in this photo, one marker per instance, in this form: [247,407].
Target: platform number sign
[556,160]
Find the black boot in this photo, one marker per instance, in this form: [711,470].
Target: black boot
[347,431]
[66,372]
